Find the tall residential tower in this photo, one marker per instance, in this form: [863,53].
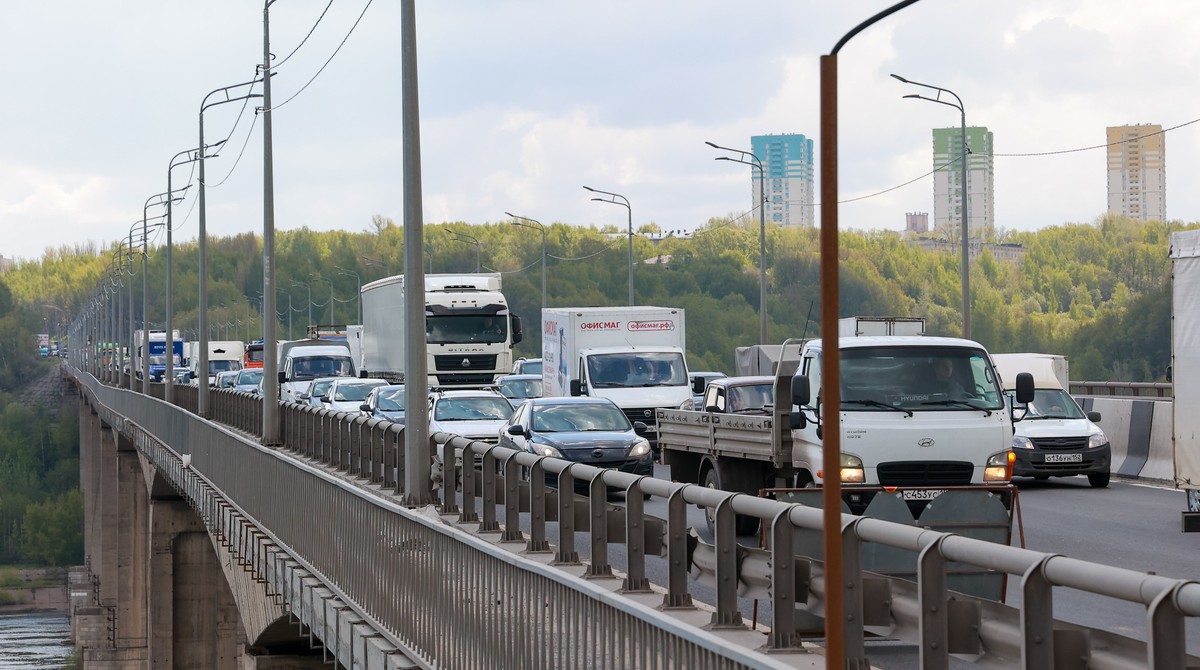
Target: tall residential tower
[788,164]
[947,179]
[1137,172]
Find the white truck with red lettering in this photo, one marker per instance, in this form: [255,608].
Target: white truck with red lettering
[632,355]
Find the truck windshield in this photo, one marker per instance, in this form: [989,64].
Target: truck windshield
[637,369]
[918,378]
[221,366]
[466,328]
[311,367]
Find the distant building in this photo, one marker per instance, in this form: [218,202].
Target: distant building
[1137,172]
[916,223]
[788,164]
[1003,253]
[947,178]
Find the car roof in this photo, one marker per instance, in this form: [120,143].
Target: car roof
[570,400]
[339,381]
[517,378]
[747,380]
[466,393]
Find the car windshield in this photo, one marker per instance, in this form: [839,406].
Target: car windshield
[521,388]
[223,366]
[635,369]
[472,409]
[918,378]
[249,377]
[311,367]
[158,359]
[320,387]
[751,398]
[529,368]
[227,381]
[355,391]
[466,328]
[392,401]
[579,418]
[1049,404]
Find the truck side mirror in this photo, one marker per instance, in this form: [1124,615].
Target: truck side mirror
[698,385]
[1024,388]
[801,392]
[518,332]
[282,377]
[575,387]
[796,420]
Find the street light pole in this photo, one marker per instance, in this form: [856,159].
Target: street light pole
[612,198]
[169,376]
[143,357]
[533,223]
[270,415]
[965,261]
[756,163]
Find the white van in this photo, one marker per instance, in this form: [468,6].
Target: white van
[305,360]
[1052,435]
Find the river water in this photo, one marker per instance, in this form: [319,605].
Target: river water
[40,640]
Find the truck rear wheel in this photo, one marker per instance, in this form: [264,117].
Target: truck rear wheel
[743,525]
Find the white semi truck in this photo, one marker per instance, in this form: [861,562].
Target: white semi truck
[903,426]
[469,331]
[634,356]
[1185,369]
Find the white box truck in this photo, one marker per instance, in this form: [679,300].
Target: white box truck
[1185,369]
[469,331]
[858,326]
[633,356]
[223,355]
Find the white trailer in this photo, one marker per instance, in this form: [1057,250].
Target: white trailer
[469,331]
[634,356]
[1185,369]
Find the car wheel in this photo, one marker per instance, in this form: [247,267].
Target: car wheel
[1099,480]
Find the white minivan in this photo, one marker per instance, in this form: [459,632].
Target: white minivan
[303,361]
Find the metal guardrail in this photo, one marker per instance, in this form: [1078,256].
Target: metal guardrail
[939,621]
[1123,389]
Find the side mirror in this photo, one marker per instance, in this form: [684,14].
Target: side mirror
[802,392]
[698,386]
[1024,388]
[640,428]
[305,396]
[282,377]
[364,408]
[515,429]
[712,408]
[796,420]
[518,332]
[1094,417]
[576,387]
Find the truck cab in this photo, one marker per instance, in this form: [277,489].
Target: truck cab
[637,379]
[306,360]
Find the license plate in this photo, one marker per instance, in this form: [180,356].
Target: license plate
[1064,458]
[921,494]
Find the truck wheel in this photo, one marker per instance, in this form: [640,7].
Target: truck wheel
[743,525]
[1099,480]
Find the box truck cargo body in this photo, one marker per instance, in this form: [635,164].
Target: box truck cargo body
[469,331]
[633,356]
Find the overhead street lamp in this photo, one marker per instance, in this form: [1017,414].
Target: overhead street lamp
[163,199]
[357,288]
[624,202]
[963,191]
[463,237]
[320,278]
[526,222]
[387,267]
[202,259]
[756,163]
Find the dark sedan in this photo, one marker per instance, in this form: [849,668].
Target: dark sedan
[586,430]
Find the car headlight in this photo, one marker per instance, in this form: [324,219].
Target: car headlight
[639,449]
[688,404]
[1020,442]
[999,467]
[1097,440]
[852,469]
[545,450]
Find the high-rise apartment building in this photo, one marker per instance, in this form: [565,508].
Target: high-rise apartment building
[947,181]
[1137,172]
[788,166]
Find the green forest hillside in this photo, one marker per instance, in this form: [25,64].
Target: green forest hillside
[1098,293]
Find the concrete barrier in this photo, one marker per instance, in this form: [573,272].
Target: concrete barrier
[1139,434]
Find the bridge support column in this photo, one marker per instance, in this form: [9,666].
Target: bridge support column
[133,531]
[193,618]
[105,564]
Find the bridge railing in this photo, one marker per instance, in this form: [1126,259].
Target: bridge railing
[494,496]
[1123,389]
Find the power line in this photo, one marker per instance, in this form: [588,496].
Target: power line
[310,34]
[327,61]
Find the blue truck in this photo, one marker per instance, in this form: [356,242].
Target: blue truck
[151,353]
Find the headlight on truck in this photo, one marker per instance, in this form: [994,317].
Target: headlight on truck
[999,467]
[688,404]
[639,449]
[1097,440]
[852,469]
[1022,442]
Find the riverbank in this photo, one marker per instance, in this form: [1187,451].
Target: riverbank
[24,590]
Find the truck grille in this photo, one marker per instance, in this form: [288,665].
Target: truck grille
[925,473]
[1056,443]
[644,414]
[465,380]
[454,363]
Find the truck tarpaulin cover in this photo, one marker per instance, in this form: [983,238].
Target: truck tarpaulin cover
[1185,347]
[763,359]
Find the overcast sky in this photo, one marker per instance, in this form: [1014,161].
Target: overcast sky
[522,103]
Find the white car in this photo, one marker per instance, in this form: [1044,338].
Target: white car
[248,380]
[346,394]
[316,390]
[475,414]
